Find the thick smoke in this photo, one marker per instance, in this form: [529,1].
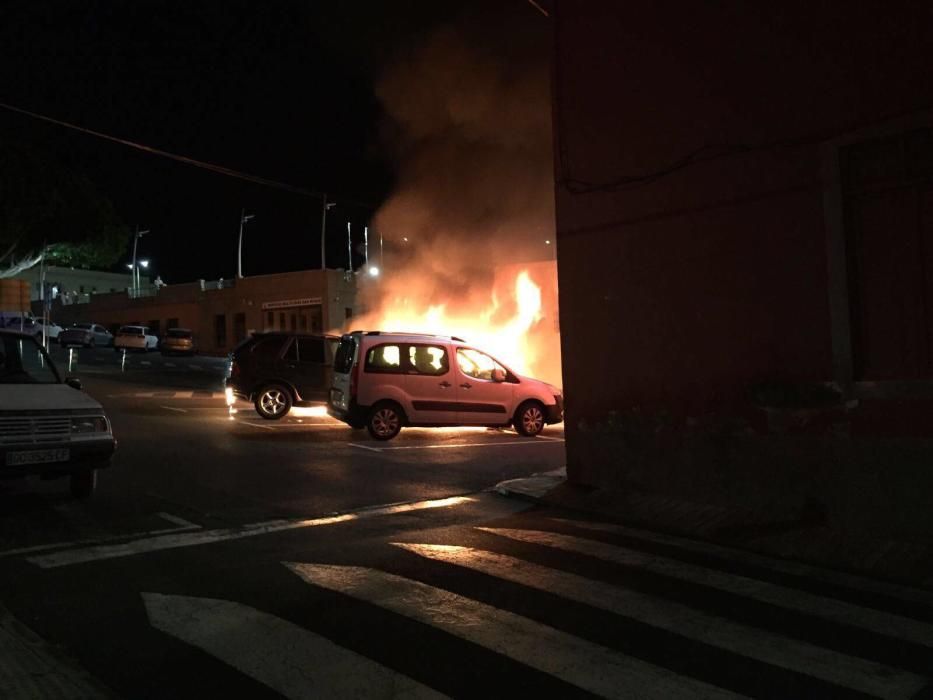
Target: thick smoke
[469,125]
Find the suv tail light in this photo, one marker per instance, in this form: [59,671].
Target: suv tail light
[234,369]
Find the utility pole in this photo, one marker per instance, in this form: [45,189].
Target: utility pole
[239,251]
[349,249]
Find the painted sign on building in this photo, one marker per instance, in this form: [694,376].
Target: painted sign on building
[290,303]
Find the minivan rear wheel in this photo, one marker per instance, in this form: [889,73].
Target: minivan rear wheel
[385,421]
[273,402]
[529,419]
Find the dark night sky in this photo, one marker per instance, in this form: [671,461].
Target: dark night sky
[281,88]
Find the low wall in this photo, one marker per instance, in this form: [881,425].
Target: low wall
[864,483]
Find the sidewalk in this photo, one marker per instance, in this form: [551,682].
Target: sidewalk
[30,668]
[909,563]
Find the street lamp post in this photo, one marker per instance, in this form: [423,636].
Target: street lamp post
[239,251]
[139,234]
[325,205]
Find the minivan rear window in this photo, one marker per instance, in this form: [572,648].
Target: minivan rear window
[343,359]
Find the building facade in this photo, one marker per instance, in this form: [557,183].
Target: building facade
[757,184]
[222,313]
[76,283]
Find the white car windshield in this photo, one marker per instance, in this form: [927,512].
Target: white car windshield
[22,361]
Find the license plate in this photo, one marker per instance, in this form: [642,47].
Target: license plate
[16,459]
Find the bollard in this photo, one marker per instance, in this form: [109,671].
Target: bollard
[123,360]
[71,355]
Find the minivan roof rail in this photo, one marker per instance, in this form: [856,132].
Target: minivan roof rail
[416,335]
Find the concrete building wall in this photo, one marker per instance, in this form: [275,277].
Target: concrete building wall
[77,281]
[307,301]
[708,261]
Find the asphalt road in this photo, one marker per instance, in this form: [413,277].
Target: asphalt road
[230,556]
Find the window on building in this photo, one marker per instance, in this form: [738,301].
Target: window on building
[220,330]
[347,313]
[155,327]
[303,322]
[172,323]
[428,359]
[294,323]
[887,188]
[281,320]
[239,326]
[270,319]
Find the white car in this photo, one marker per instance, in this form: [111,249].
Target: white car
[48,427]
[52,330]
[135,338]
[384,381]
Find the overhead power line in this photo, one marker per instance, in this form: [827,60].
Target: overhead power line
[213,167]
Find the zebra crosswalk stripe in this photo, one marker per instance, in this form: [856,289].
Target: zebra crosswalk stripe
[801,657]
[793,568]
[285,657]
[590,666]
[818,606]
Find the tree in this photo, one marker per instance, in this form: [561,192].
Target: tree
[50,209]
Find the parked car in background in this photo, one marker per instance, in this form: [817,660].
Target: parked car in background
[384,381]
[275,371]
[48,426]
[86,335]
[22,324]
[178,341]
[52,329]
[135,338]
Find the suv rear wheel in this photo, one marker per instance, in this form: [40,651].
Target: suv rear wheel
[273,402]
[529,419]
[385,421]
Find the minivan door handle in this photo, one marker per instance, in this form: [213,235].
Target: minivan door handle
[466,385]
[446,385]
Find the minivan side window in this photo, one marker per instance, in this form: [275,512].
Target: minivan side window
[428,359]
[476,364]
[384,358]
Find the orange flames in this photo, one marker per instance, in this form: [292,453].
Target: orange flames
[515,322]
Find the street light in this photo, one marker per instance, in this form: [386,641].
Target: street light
[244,217]
[139,234]
[325,205]
[373,271]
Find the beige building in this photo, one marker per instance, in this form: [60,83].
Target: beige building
[221,313]
[77,283]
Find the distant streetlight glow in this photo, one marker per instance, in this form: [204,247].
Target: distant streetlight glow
[547,242]
[144,263]
[373,271]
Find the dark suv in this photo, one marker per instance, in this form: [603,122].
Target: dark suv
[275,371]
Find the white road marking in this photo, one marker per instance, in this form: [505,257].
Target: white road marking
[811,604]
[170,408]
[145,362]
[170,364]
[181,522]
[182,525]
[193,539]
[579,662]
[279,424]
[801,657]
[257,425]
[364,447]
[509,443]
[183,395]
[279,654]
[194,367]
[788,567]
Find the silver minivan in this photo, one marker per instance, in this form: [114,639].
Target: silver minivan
[384,381]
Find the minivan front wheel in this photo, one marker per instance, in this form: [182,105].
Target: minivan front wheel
[385,421]
[273,402]
[529,419]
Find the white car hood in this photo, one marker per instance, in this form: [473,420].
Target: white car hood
[44,397]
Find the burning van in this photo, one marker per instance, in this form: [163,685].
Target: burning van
[384,381]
